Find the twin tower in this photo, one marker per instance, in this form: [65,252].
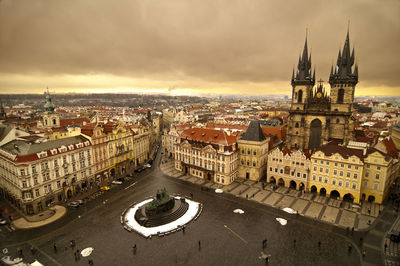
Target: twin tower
[315,117]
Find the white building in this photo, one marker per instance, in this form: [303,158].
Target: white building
[35,174]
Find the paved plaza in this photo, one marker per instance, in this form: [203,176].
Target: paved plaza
[226,238]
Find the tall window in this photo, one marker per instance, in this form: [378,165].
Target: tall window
[340,96]
[300,96]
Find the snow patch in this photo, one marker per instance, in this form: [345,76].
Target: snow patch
[87,251]
[289,210]
[281,221]
[240,211]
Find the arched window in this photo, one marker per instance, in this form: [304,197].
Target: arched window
[297,125]
[300,96]
[340,96]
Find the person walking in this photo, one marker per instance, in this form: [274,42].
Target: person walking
[78,257]
[294,242]
[364,253]
[134,249]
[349,248]
[55,247]
[319,244]
[199,245]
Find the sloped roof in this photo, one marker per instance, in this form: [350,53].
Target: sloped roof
[253,132]
[27,151]
[280,132]
[211,136]
[332,148]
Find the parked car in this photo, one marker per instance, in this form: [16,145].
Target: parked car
[74,204]
[147,165]
[80,202]
[395,236]
[3,222]
[116,182]
[105,188]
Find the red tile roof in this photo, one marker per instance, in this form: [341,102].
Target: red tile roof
[211,136]
[279,132]
[226,126]
[332,148]
[390,147]
[73,121]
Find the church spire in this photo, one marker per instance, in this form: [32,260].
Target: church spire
[344,64]
[303,72]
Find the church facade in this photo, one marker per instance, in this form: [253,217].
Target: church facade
[316,117]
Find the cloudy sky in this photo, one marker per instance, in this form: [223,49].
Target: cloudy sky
[190,46]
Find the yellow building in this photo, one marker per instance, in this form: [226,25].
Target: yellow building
[337,171]
[119,149]
[395,134]
[253,147]
[381,168]
[141,143]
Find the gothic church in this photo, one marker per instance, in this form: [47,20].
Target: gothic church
[315,117]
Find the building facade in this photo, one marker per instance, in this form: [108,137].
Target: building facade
[315,117]
[120,149]
[253,149]
[98,140]
[207,154]
[337,171]
[289,168]
[34,175]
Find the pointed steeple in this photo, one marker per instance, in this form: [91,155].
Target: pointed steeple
[343,69]
[293,74]
[303,72]
[313,77]
[356,71]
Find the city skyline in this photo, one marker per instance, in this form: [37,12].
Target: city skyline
[191,48]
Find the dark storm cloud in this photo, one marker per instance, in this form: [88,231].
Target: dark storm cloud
[224,41]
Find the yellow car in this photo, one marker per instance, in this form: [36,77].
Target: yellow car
[105,188]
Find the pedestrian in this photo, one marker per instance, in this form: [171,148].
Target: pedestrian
[32,250]
[385,246]
[134,249]
[199,245]
[319,244]
[76,258]
[90,262]
[78,254]
[364,253]
[183,229]
[369,222]
[247,196]
[19,251]
[191,195]
[369,211]
[294,242]
[55,247]
[349,248]
[361,240]
[266,259]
